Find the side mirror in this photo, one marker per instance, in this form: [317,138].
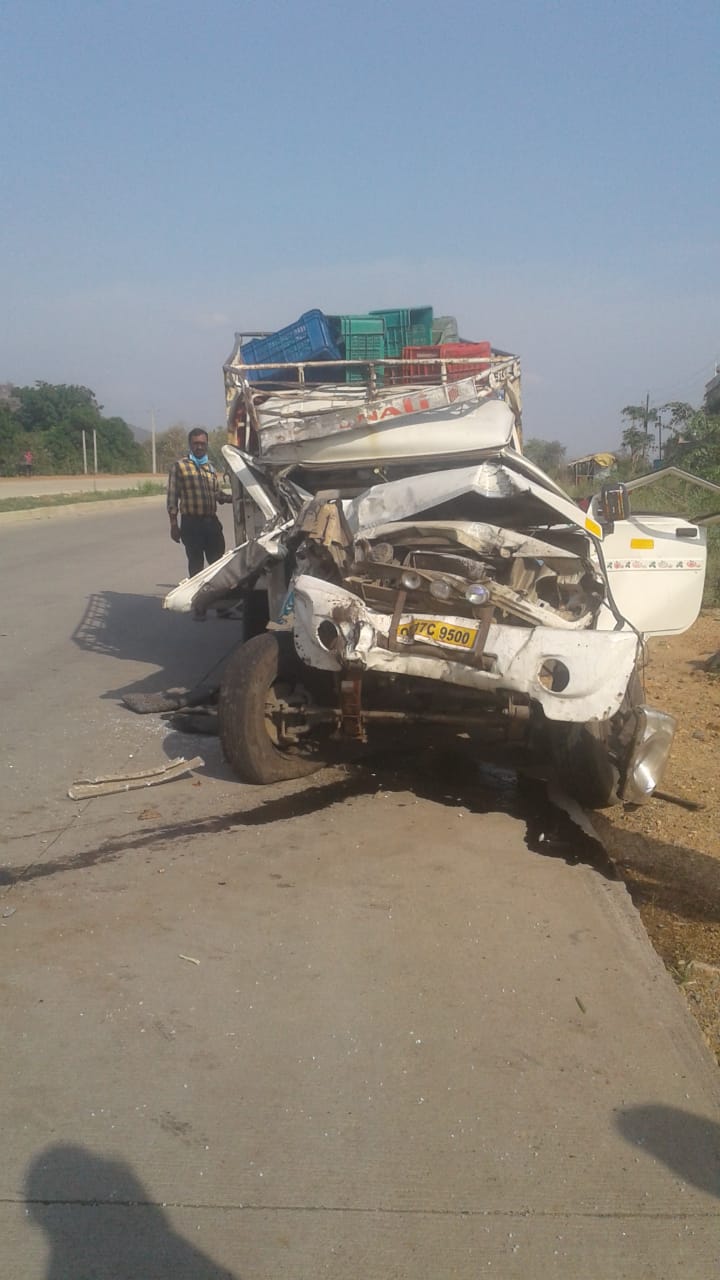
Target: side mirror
[613,503]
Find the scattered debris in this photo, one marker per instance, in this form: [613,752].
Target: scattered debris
[680,801]
[114,783]
[201,720]
[701,967]
[580,1005]
[8,911]
[171,700]
[190,959]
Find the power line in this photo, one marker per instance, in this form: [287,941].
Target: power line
[710,367]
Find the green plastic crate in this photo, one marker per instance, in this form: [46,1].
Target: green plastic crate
[406,327]
[359,338]
[421,324]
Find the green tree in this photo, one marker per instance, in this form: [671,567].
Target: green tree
[51,419]
[11,440]
[695,446]
[637,439]
[636,444]
[46,406]
[680,413]
[118,450]
[638,415]
[549,455]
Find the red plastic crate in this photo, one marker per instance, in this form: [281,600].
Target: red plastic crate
[446,351]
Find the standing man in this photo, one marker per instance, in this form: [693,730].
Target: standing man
[194,490]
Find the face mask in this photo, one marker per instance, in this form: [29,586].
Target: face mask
[201,462]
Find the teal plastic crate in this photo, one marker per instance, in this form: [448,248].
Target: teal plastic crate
[359,338]
[406,327]
[421,324]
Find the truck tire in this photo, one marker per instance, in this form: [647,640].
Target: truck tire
[584,766]
[584,762]
[254,668]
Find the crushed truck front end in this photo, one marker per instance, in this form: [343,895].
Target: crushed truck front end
[424,582]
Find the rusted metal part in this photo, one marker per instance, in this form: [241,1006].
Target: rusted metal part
[462,720]
[518,717]
[681,801]
[291,721]
[485,617]
[393,642]
[351,707]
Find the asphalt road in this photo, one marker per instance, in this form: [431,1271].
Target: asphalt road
[385,1022]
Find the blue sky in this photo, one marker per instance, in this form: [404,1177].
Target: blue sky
[547,172]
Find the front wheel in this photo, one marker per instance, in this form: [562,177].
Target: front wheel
[256,677]
[584,766]
[590,759]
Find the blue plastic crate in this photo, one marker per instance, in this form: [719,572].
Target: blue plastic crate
[307,339]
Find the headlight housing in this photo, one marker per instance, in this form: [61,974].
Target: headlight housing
[476,593]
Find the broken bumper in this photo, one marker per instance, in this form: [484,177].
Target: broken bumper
[335,631]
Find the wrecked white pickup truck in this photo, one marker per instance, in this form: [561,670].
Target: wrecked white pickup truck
[413,578]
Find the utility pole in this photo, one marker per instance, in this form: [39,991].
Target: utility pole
[95,450]
[84,452]
[152,438]
[647,415]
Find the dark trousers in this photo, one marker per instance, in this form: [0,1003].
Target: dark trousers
[202,538]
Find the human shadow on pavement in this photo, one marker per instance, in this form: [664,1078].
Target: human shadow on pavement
[135,628]
[688,1144]
[100,1221]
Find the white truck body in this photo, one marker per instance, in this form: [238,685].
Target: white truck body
[408,548]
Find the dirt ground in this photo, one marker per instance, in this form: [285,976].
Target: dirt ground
[669,856]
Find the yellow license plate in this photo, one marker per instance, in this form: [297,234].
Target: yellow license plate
[438,632]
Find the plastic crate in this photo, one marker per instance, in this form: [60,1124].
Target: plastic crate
[421,324]
[308,338]
[444,329]
[420,372]
[410,326]
[359,338]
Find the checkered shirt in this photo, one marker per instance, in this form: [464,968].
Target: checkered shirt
[192,488]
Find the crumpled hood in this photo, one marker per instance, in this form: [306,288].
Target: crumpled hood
[489,482]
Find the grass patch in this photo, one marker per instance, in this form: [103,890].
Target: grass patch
[147,489]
